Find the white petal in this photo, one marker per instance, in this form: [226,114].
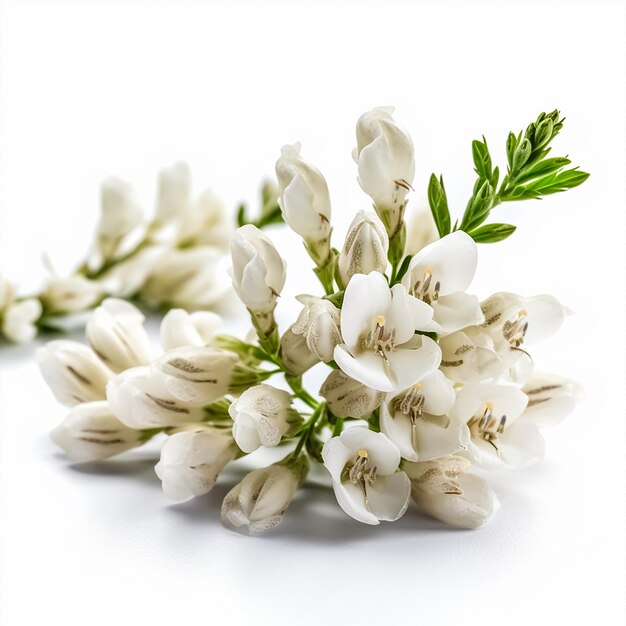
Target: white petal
[382,453]
[335,455]
[246,434]
[451,259]
[551,398]
[351,499]
[366,297]
[409,366]
[388,496]
[439,394]
[458,310]
[545,316]
[367,368]
[521,444]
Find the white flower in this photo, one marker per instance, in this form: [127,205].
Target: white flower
[304,201]
[416,419]
[439,274]
[498,435]
[139,398]
[70,294]
[174,193]
[262,415]
[115,332]
[260,500]
[180,329]
[190,278]
[469,356]
[365,248]
[204,222]
[192,460]
[386,162]
[318,323]
[551,398]
[378,326]
[91,432]
[363,465]
[199,375]
[258,271]
[7,292]
[19,320]
[443,489]
[73,372]
[347,397]
[295,353]
[120,213]
[421,231]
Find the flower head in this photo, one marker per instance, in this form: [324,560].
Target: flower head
[363,465]
[180,329]
[378,324]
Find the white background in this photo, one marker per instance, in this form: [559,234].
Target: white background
[90,89]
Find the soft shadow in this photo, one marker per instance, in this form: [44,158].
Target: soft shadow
[141,469]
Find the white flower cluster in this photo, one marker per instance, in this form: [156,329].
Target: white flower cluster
[171,259]
[427,384]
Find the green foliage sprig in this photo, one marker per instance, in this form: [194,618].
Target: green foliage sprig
[530,175]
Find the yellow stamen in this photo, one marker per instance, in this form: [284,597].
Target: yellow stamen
[380,320]
[489,406]
[362,453]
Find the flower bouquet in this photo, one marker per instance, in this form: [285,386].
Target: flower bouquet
[427,389]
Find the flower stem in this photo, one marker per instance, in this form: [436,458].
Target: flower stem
[309,426]
[295,382]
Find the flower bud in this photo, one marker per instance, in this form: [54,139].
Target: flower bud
[304,201]
[192,460]
[260,500]
[443,490]
[258,272]
[347,397]
[365,249]
[201,375]
[385,158]
[174,193]
[318,322]
[115,332]
[181,329]
[421,231]
[71,294]
[295,353]
[262,415]
[139,398]
[190,278]
[120,213]
[19,318]
[73,372]
[91,432]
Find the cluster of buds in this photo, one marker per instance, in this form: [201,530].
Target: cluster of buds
[424,382]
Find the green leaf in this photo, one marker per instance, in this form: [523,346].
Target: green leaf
[482,159]
[438,202]
[492,233]
[559,181]
[241,215]
[541,168]
[478,207]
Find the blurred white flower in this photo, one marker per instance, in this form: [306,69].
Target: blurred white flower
[378,326]
[260,500]
[445,490]
[181,329]
[262,415]
[363,465]
[365,248]
[439,274]
[19,320]
[70,294]
[386,162]
[174,193]
[116,333]
[91,432]
[347,397]
[190,278]
[192,460]
[120,214]
[258,271]
[417,421]
[73,372]
[421,230]
[205,222]
[304,201]
[139,398]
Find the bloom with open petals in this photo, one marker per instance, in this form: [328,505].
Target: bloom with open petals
[378,324]
[439,274]
[363,465]
[417,421]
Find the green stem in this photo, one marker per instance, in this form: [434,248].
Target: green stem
[295,383]
[309,426]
